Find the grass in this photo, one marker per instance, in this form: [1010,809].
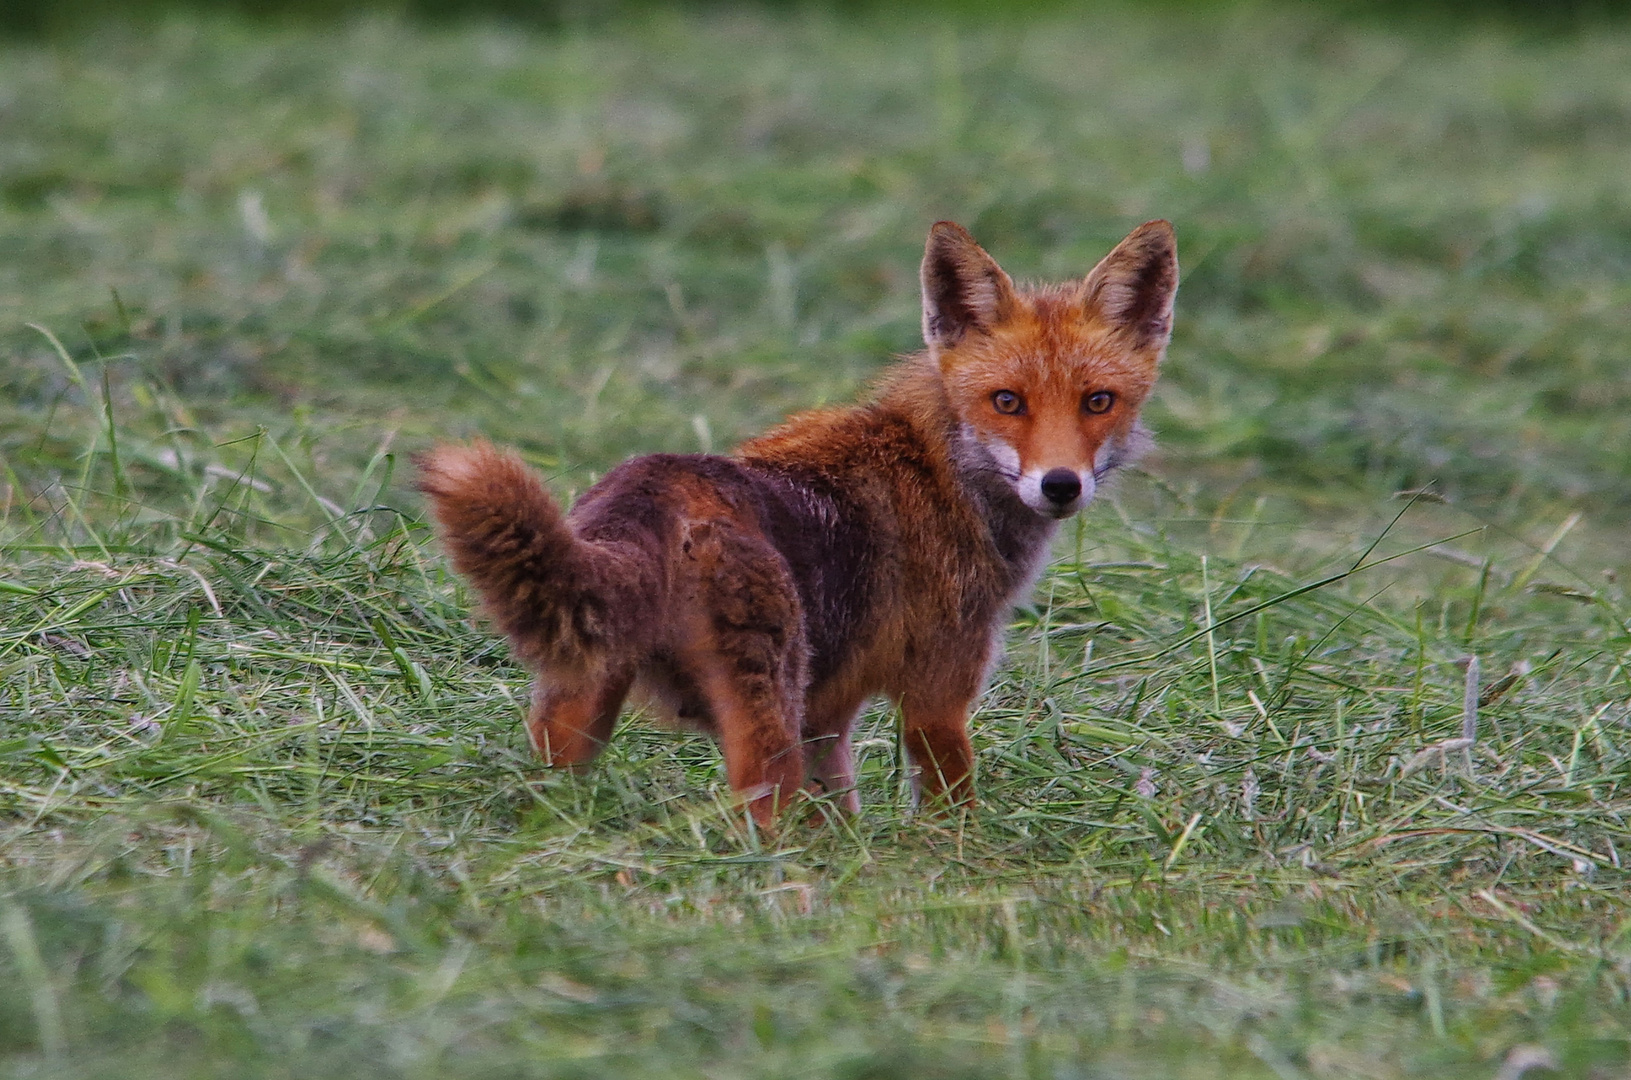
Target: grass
[265,805]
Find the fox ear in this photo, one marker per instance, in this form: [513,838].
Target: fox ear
[963,288]
[1132,287]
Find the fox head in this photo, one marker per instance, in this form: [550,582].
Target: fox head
[1047,382]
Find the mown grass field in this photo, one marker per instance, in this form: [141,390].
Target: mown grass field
[265,804]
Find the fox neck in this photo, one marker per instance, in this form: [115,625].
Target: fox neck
[1020,535]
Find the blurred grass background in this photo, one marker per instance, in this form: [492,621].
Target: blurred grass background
[264,805]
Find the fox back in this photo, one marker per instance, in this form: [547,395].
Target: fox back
[875,549]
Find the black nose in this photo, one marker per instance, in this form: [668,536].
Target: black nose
[1061,486]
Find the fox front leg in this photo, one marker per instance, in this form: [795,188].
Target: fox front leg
[936,736]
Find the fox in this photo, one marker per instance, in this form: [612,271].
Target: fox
[876,549]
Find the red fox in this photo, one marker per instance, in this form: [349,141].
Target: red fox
[877,549]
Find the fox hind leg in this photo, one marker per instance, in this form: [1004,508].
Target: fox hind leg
[764,762]
[829,751]
[570,722]
[833,771]
[748,656]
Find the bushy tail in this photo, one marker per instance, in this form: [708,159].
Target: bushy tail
[506,534]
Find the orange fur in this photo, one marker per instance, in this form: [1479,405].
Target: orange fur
[850,552]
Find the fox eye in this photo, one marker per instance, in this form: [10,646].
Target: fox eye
[1007,402]
[1098,401]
